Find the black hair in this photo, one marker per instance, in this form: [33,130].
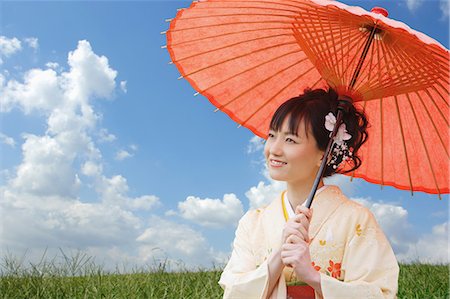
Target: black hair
[312,106]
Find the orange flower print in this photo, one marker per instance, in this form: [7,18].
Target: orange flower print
[335,269]
[315,267]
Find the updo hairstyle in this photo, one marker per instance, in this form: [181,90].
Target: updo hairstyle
[312,106]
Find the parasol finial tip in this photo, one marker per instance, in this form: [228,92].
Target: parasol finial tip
[380,10]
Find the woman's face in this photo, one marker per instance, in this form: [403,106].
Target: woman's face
[291,158]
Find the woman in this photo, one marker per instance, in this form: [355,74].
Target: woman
[336,249]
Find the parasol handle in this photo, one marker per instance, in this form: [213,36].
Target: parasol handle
[343,107]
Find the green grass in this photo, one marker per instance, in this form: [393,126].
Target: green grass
[79,277]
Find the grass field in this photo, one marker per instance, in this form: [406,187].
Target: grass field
[79,277]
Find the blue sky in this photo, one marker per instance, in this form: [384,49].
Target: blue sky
[105,151]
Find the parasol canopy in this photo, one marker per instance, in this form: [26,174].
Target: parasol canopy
[248,57]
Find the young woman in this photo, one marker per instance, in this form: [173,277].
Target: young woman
[336,249]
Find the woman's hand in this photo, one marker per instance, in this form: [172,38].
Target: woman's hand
[298,225]
[295,250]
[295,253]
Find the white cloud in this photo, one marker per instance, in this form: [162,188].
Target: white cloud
[123,86]
[91,168]
[255,144]
[52,65]
[263,193]
[144,203]
[40,91]
[431,247]
[344,182]
[413,5]
[8,46]
[7,140]
[122,155]
[178,242]
[444,5]
[42,202]
[212,212]
[170,213]
[90,74]
[32,42]
[46,168]
[394,222]
[105,136]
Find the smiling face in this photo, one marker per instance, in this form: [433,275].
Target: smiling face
[292,158]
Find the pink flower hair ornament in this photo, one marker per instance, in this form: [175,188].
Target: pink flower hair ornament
[340,151]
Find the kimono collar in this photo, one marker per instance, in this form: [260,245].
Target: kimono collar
[324,205]
[288,211]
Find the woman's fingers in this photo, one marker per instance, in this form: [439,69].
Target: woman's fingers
[293,239]
[300,232]
[300,209]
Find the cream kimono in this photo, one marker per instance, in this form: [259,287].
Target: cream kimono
[348,248]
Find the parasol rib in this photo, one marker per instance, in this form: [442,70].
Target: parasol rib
[261,82]
[254,67]
[274,96]
[388,51]
[422,62]
[237,57]
[268,116]
[425,147]
[330,55]
[439,84]
[305,41]
[232,45]
[436,106]
[363,56]
[434,125]
[308,36]
[381,142]
[202,39]
[405,152]
[306,47]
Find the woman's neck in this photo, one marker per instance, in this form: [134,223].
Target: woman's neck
[298,193]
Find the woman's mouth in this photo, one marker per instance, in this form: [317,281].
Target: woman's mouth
[276,163]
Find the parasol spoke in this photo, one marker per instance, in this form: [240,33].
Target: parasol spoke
[231,45]
[238,57]
[247,57]
[381,142]
[441,95]
[206,38]
[253,68]
[304,37]
[424,146]
[436,106]
[405,152]
[424,68]
[308,35]
[262,82]
[268,117]
[273,97]
[431,119]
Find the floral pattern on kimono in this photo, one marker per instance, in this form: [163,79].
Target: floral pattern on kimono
[347,248]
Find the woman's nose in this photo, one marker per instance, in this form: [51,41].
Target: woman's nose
[276,147]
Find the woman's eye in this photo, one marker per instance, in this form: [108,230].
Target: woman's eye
[290,140]
[270,135]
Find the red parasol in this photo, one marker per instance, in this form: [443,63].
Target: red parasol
[247,57]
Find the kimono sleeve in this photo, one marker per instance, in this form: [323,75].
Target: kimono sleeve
[369,266]
[242,277]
